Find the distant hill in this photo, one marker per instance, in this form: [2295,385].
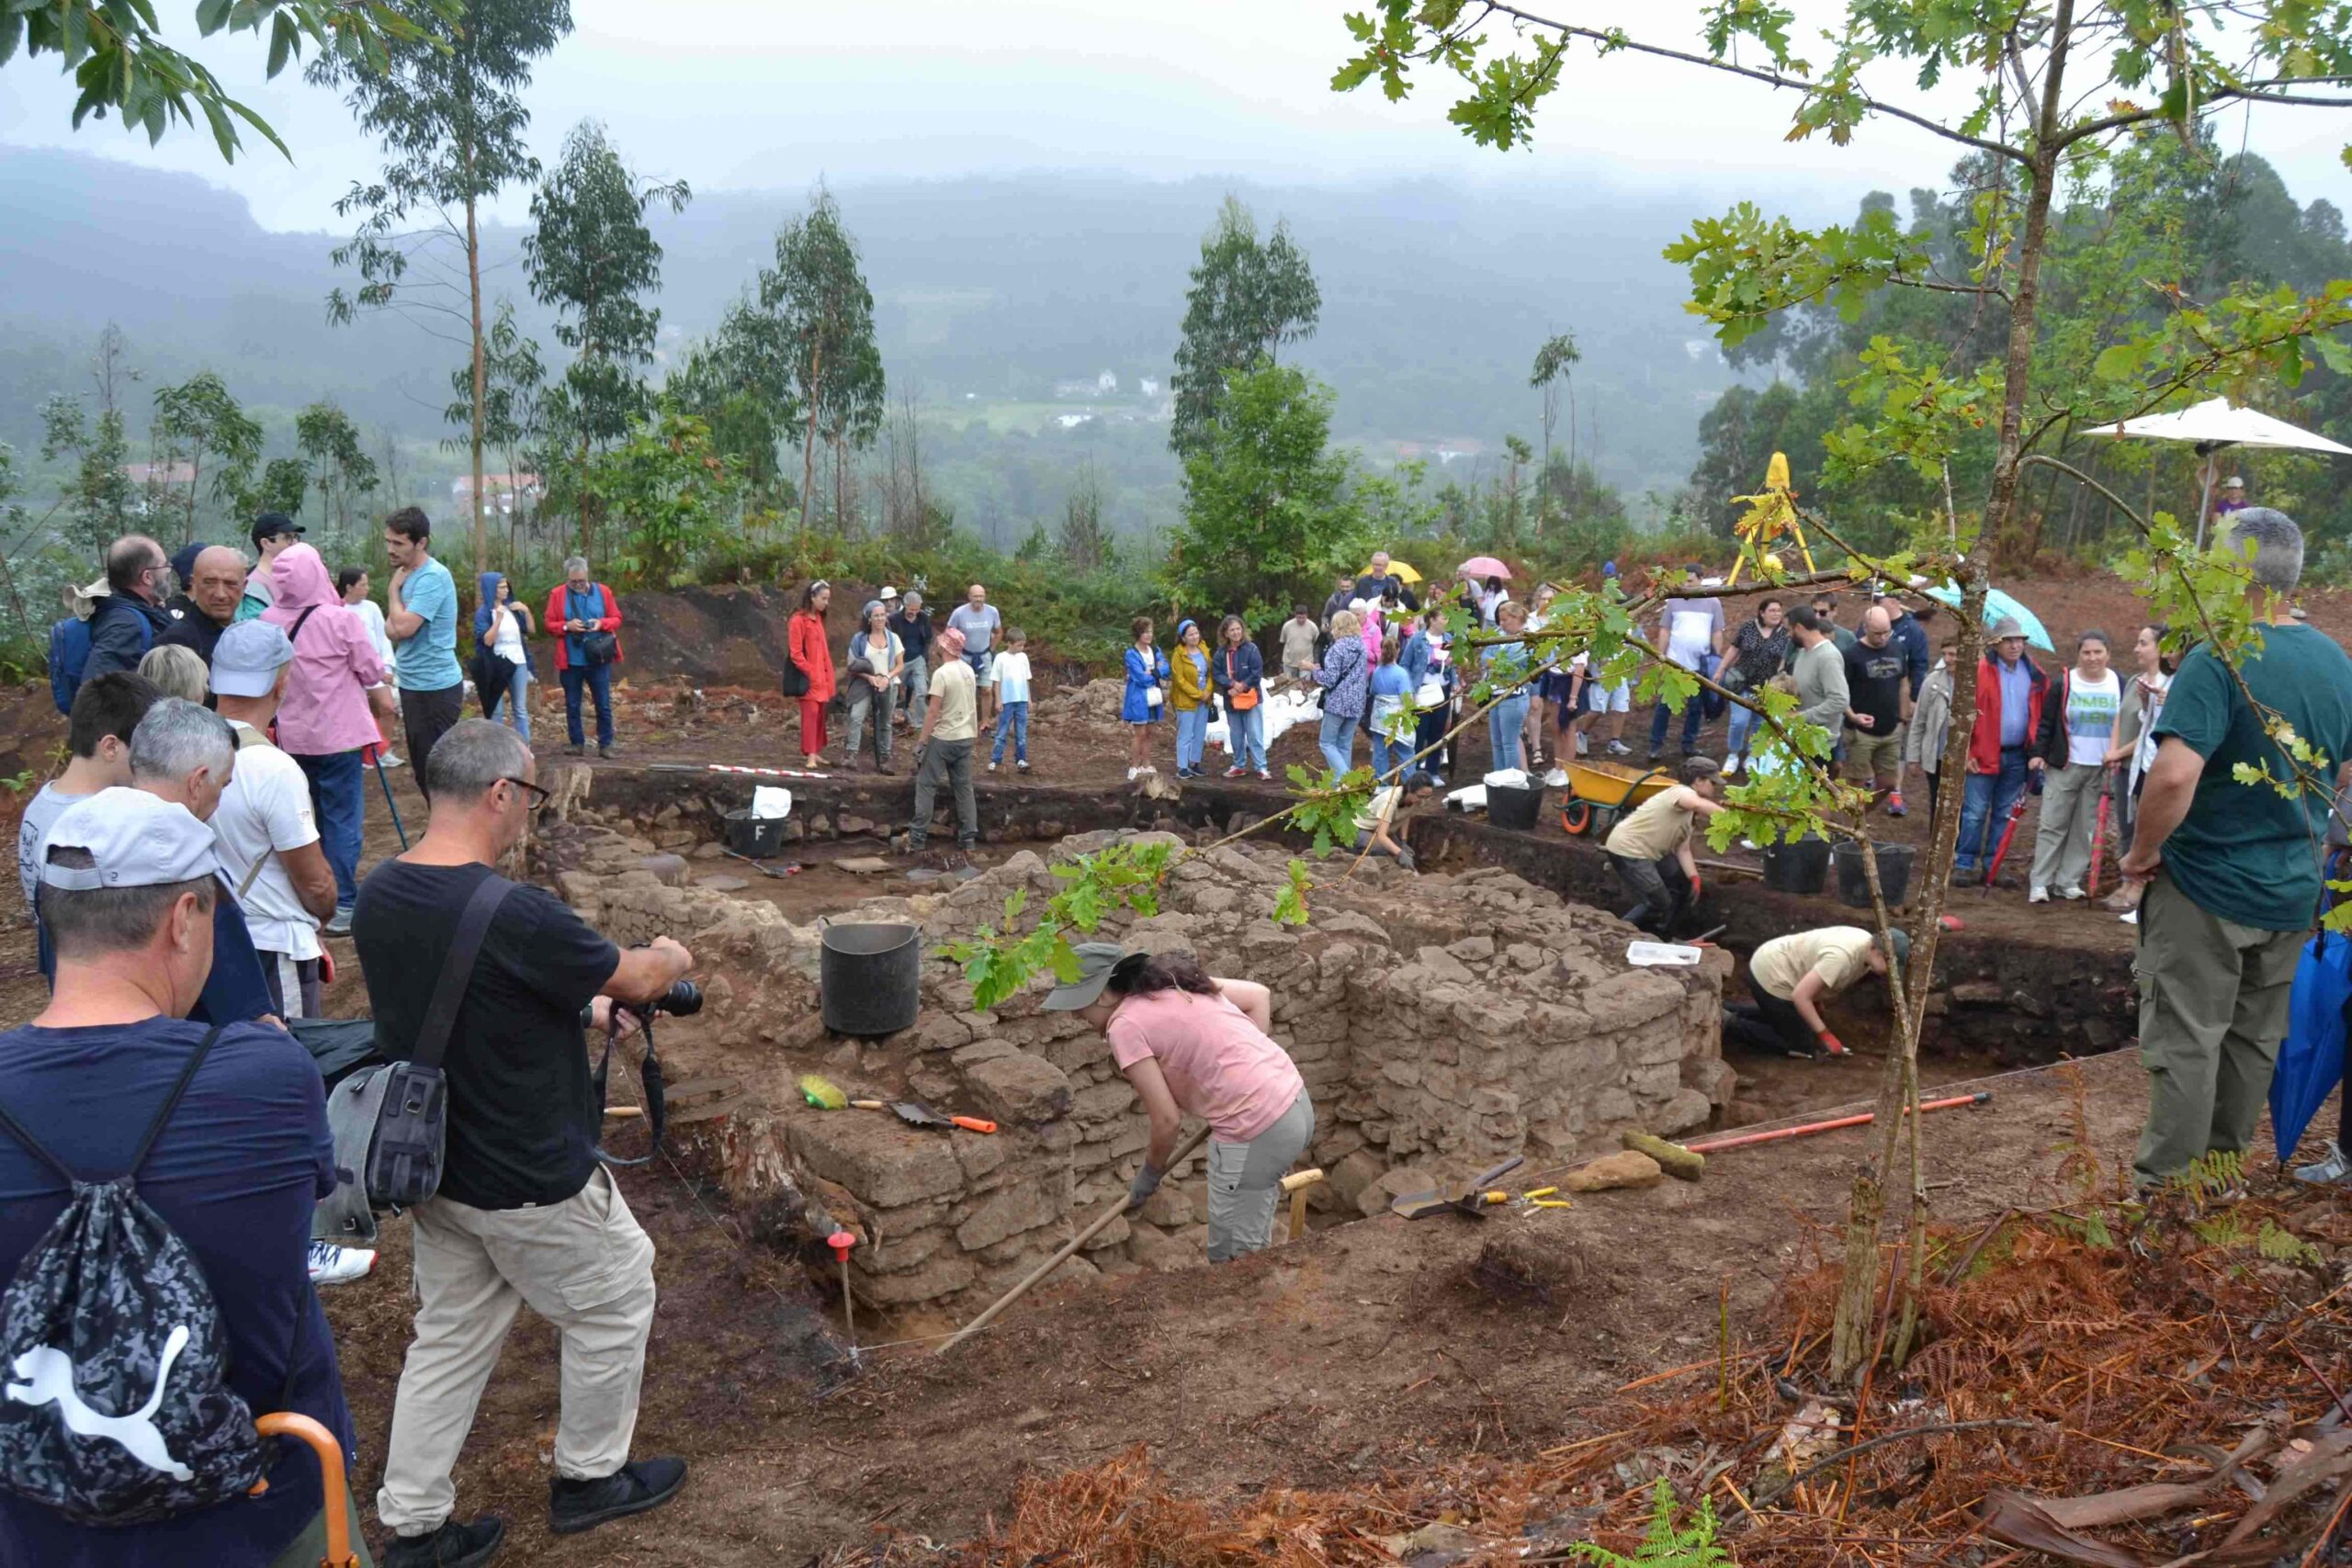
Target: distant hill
[1435,297]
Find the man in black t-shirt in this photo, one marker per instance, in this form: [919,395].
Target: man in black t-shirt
[1878,686]
[524,1213]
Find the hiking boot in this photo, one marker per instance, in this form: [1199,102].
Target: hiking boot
[452,1546]
[576,1505]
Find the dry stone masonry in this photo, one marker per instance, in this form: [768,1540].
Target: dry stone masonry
[1442,1023]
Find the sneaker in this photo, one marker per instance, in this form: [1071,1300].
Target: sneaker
[1133,774]
[332,1265]
[1264,775]
[1021,767]
[1583,750]
[387,760]
[452,1546]
[575,750]
[608,751]
[341,924]
[2071,894]
[576,1505]
[1894,804]
[1236,770]
[1619,749]
[2124,898]
[2037,895]
[1556,779]
[991,767]
[2333,1171]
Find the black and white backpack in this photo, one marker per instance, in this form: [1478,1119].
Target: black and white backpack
[115,1407]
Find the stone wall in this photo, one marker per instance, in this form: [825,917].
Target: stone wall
[1441,1023]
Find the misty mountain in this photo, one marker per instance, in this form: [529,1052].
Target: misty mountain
[1435,298]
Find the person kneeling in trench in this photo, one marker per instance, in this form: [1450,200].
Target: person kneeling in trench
[1651,847]
[1792,975]
[1194,1044]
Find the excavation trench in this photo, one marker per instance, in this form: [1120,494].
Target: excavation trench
[1443,1021]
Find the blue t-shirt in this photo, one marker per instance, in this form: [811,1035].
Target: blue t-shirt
[235,991]
[427,661]
[1392,689]
[235,1174]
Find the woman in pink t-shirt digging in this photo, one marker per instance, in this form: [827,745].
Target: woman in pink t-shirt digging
[1192,1045]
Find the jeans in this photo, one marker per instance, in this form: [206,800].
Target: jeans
[1434,723]
[1246,736]
[1744,723]
[916,685]
[1694,714]
[1339,741]
[598,678]
[519,708]
[1388,753]
[1011,719]
[339,796]
[1986,805]
[1192,737]
[946,763]
[876,705]
[1504,722]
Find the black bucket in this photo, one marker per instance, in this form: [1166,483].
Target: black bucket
[758,837]
[870,978]
[1799,867]
[1509,807]
[1893,874]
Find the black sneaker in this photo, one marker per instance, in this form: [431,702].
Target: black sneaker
[576,1505]
[452,1546]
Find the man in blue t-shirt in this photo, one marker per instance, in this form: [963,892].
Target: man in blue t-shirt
[2233,870]
[129,885]
[420,617]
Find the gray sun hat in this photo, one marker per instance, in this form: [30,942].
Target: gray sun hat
[2006,626]
[133,840]
[246,660]
[1095,962]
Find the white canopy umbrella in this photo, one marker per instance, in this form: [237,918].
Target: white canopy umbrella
[2212,426]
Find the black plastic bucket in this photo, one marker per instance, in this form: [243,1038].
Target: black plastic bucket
[1893,874]
[758,837]
[870,978]
[1799,867]
[1509,807]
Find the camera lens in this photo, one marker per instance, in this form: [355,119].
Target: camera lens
[683,999]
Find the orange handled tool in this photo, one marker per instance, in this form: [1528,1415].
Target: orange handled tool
[288,1424]
[1774,1135]
[973,1124]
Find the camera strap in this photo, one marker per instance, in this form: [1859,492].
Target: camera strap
[657,1102]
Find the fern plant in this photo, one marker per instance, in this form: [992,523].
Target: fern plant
[1690,1544]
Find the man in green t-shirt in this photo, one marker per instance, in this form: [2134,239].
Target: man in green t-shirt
[2233,870]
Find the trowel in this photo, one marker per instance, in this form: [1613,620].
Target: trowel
[915,1113]
[1474,1202]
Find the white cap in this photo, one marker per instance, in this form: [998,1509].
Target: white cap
[888,593]
[134,839]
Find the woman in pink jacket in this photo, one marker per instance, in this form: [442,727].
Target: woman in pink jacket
[327,716]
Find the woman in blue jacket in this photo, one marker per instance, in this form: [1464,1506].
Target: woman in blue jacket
[1238,673]
[1146,693]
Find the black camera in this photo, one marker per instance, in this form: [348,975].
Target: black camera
[683,999]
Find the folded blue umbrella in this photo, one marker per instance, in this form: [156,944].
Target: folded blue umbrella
[2310,1062]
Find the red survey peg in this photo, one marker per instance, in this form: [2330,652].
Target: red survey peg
[841,1242]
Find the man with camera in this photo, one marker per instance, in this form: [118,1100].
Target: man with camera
[525,1214]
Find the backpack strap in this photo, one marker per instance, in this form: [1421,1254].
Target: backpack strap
[295,630]
[456,970]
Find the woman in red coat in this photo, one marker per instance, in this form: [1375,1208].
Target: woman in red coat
[812,655]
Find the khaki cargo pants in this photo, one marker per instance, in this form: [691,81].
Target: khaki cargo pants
[584,1266]
[2214,1000]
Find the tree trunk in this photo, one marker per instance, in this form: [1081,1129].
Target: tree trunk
[840,490]
[809,444]
[194,476]
[1857,1290]
[482,377]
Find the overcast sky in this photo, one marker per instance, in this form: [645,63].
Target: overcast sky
[773,94]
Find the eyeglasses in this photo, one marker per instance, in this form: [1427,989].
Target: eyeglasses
[539,796]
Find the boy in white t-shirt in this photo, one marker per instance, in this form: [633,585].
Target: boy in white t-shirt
[1009,674]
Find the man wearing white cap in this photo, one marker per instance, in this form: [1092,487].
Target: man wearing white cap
[128,887]
[268,837]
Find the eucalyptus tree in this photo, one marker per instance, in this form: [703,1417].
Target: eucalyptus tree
[594,259]
[822,316]
[446,106]
[1554,372]
[199,416]
[343,470]
[99,495]
[1249,297]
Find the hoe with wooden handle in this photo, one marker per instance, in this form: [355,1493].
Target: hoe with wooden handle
[1102,1224]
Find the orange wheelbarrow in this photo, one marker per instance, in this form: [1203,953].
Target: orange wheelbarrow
[1598,794]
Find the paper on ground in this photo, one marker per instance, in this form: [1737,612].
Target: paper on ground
[1661,955]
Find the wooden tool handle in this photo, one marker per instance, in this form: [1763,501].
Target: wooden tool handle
[618,1111]
[870,1104]
[1298,1178]
[1100,1224]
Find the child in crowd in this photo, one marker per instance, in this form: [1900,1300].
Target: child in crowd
[1010,674]
[1391,696]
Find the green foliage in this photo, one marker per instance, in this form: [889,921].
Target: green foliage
[283,484]
[999,964]
[115,52]
[816,352]
[1690,1544]
[1327,805]
[16,783]
[1247,299]
[345,471]
[98,494]
[1290,904]
[1268,519]
[199,417]
[670,490]
[592,258]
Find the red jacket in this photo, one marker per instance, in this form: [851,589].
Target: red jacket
[813,654]
[552,622]
[1984,741]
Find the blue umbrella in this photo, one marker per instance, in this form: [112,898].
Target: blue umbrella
[2310,1062]
[1997,607]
